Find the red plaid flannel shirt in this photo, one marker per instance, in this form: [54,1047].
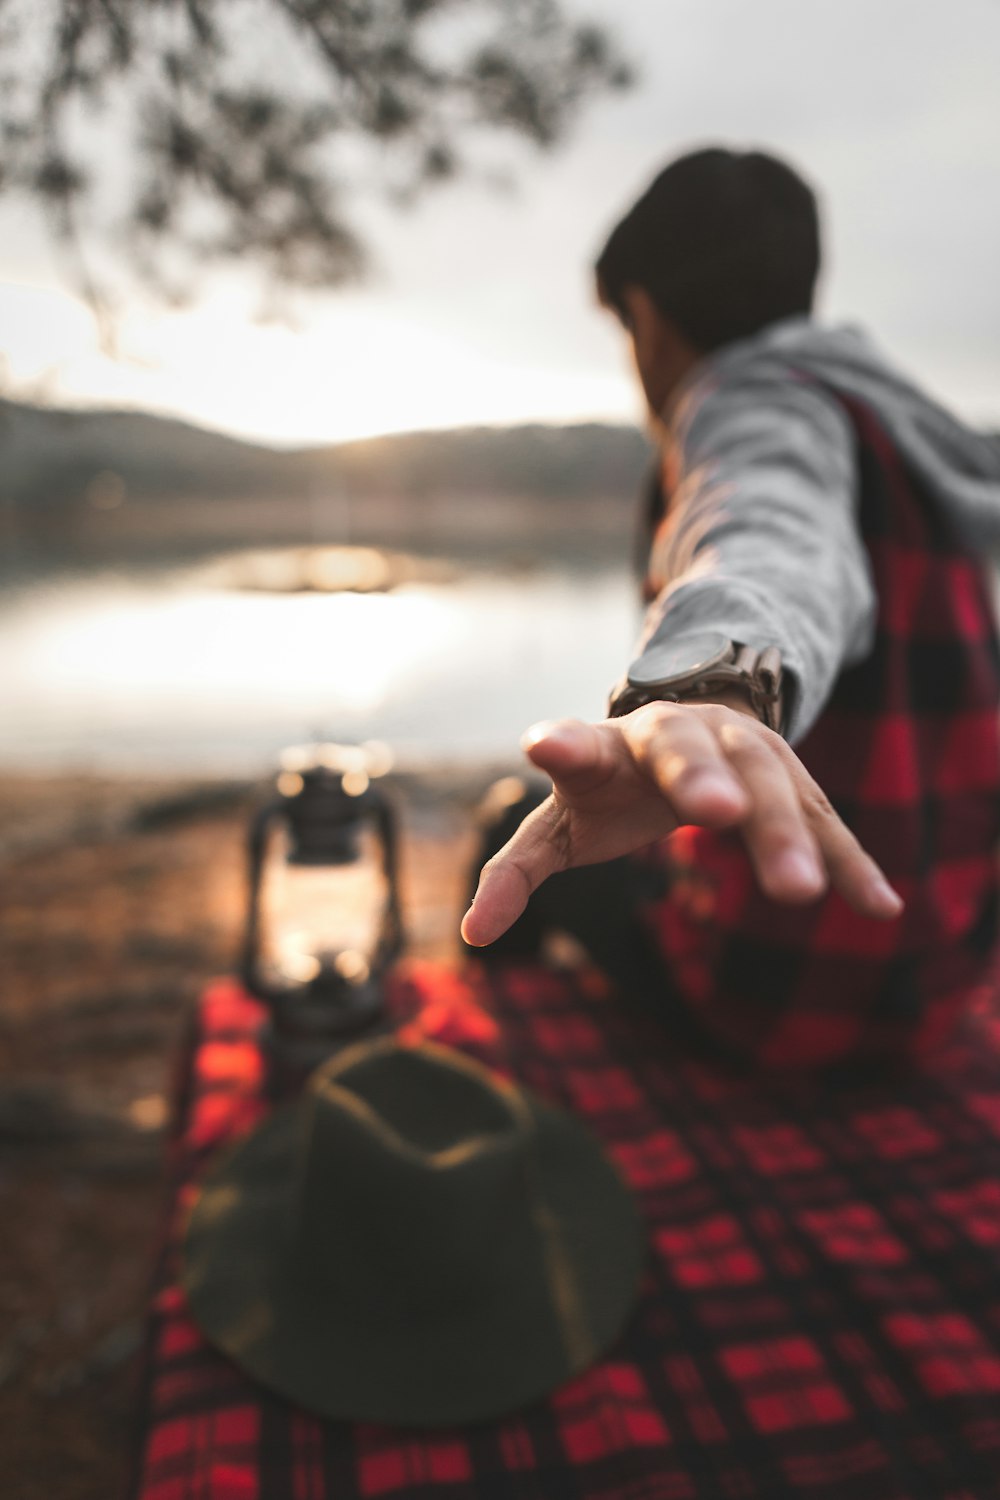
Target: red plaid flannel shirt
[908,751]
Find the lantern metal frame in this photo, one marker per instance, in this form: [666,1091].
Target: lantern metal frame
[332,797]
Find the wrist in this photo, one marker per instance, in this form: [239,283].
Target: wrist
[706,668]
[733,698]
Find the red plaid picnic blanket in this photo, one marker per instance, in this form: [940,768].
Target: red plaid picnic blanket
[820,1312]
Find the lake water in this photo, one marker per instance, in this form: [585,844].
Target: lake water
[179,672]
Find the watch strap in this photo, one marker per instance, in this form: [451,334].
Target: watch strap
[756,674]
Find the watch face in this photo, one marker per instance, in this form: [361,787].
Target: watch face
[689,656]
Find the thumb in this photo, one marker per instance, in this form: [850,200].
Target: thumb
[536,851]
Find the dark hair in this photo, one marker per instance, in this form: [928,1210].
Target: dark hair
[724,242]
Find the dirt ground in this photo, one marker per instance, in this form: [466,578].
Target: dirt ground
[118,902]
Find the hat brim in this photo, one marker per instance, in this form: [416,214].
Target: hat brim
[330,1354]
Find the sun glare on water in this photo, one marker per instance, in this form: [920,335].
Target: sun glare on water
[349,651]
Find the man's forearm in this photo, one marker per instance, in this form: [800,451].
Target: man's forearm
[761,543]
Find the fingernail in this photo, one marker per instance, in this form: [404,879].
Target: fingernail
[883,891]
[540,731]
[799,868]
[461,928]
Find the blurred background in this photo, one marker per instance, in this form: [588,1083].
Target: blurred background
[310,428]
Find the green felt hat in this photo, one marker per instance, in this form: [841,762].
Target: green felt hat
[416,1241]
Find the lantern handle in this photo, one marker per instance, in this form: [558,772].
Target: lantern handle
[393,937]
[256,846]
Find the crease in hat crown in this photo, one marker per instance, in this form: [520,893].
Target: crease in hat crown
[440,1217]
[330,1083]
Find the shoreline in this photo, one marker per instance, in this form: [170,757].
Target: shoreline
[46,808]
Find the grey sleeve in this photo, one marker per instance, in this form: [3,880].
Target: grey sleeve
[762,542]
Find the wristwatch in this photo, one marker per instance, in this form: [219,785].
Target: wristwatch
[700,666]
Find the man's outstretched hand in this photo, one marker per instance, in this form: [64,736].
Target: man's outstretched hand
[620,785]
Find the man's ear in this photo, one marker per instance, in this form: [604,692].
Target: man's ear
[663,355]
[644,320]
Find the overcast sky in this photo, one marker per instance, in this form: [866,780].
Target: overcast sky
[482,309]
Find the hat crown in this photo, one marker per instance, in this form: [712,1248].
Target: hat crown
[428,1158]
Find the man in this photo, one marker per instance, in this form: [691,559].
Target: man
[813,583]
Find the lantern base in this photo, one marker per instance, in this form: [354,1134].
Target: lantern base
[304,1030]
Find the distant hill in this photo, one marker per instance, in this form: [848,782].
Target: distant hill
[51,459]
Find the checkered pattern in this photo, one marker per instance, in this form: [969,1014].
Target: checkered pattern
[820,1310]
[908,751]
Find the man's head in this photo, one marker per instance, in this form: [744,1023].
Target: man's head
[721,244]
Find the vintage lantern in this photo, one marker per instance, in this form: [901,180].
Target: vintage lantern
[323,919]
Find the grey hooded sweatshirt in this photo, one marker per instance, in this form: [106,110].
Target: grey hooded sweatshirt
[762,541]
